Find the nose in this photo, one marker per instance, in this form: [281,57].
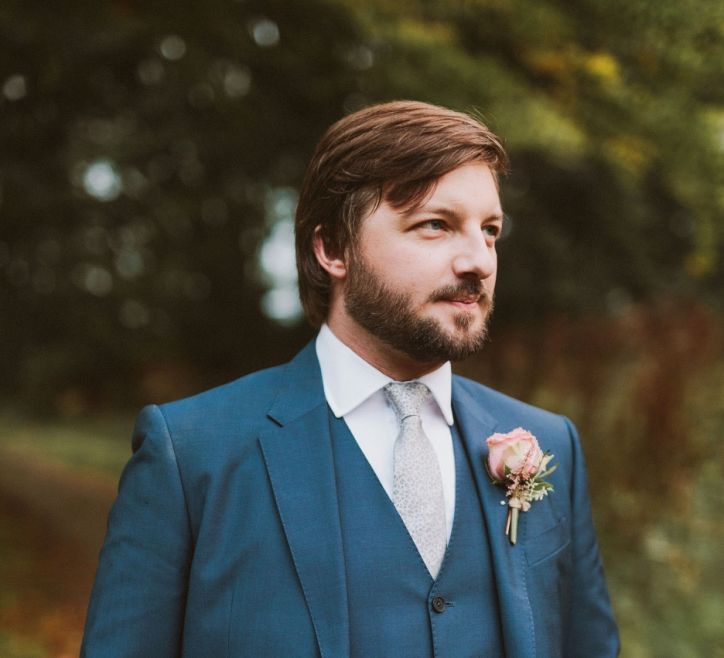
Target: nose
[475,256]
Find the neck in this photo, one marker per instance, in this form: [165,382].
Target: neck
[388,360]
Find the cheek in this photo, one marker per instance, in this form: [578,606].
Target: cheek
[411,268]
[426,264]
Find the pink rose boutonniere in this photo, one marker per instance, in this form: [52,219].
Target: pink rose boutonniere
[516,462]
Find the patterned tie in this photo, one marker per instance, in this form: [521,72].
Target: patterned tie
[417,487]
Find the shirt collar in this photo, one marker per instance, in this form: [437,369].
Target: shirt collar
[349,380]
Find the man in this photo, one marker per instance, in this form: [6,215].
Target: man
[326,508]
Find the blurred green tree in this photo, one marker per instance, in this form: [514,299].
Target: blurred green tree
[146,146]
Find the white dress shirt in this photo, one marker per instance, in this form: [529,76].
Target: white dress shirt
[353,389]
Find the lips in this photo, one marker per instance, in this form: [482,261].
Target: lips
[470,292]
[465,300]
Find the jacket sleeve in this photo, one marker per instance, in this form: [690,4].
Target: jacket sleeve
[138,599]
[593,631]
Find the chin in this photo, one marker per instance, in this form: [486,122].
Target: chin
[464,322]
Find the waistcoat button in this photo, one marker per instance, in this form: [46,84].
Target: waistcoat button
[438,604]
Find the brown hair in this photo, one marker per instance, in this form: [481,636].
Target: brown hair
[393,151]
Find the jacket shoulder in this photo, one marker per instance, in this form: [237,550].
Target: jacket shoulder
[248,391]
[239,405]
[553,430]
[504,404]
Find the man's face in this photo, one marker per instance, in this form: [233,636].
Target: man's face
[422,281]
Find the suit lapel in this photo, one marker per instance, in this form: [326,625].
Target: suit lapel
[298,456]
[509,562]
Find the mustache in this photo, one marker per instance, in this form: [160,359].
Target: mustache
[465,289]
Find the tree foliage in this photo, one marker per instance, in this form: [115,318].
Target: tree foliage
[143,143]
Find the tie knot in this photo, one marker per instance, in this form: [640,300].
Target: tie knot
[407,398]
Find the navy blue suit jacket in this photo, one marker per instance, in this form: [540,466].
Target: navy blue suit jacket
[225,537]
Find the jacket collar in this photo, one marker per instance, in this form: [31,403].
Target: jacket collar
[301,389]
[297,452]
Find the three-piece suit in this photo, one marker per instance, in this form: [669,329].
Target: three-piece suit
[248,523]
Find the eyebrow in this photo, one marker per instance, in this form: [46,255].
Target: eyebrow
[446,211]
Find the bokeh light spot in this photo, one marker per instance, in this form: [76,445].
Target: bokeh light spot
[15,87]
[129,263]
[101,180]
[361,58]
[282,305]
[276,255]
[237,82]
[172,47]
[93,279]
[150,71]
[265,32]
[277,261]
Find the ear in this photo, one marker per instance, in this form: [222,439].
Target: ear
[334,265]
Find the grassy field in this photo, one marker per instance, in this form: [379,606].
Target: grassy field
[99,445]
[57,481]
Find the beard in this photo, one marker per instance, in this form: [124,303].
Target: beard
[390,316]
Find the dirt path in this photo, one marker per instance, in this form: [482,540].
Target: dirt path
[52,522]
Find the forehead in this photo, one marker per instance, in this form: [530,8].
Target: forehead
[471,186]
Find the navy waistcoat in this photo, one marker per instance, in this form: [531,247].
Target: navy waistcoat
[396,610]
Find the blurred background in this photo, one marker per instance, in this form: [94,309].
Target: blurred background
[150,160]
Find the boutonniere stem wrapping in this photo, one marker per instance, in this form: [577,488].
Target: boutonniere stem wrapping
[516,462]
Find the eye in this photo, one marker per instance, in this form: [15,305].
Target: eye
[493,230]
[433,225]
